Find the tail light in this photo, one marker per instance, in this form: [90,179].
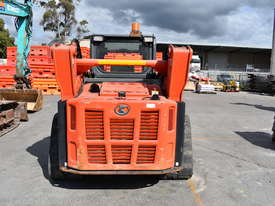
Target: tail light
[171,118]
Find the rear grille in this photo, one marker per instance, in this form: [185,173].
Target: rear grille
[96,154]
[149,123]
[146,154]
[122,129]
[94,125]
[121,154]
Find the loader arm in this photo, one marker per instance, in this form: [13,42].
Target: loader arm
[70,70]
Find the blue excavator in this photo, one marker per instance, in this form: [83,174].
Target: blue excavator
[15,102]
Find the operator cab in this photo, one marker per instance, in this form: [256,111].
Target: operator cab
[101,45]
[122,47]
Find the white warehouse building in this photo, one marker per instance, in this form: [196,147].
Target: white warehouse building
[229,58]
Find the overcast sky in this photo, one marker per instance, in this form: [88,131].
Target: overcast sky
[230,22]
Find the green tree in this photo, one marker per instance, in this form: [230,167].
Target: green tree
[82,29]
[59,17]
[5,39]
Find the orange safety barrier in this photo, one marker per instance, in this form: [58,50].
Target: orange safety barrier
[43,74]
[38,55]
[7,70]
[47,85]
[42,67]
[40,51]
[11,61]
[11,51]
[40,62]
[85,51]
[34,51]
[7,81]
[159,56]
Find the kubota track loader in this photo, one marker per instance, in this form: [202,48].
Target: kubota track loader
[121,112]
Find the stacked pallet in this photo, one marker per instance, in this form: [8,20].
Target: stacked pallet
[48,86]
[85,51]
[41,64]
[6,81]
[159,56]
[43,72]
[7,72]
[11,56]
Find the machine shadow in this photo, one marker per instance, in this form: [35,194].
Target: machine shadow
[107,182]
[40,151]
[261,139]
[257,106]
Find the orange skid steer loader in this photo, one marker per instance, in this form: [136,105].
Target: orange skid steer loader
[121,112]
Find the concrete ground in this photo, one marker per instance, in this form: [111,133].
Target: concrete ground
[233,156]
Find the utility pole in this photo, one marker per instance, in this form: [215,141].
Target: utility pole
[272,71]
[272,66]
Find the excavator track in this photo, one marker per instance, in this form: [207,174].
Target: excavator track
[9,116]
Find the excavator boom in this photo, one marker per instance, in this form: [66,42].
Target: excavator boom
[22,93]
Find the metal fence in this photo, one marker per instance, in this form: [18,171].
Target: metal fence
[238,67]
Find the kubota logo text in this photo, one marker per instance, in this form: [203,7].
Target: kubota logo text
[122,109]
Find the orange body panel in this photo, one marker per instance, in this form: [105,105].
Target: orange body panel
[96,140]
[66,72]
[131,89]
[177,72]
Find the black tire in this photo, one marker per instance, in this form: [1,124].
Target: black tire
[187,163]
[53,159]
